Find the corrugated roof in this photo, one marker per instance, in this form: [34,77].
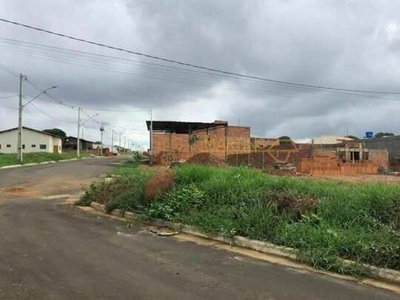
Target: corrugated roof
[31,129]
[183,127]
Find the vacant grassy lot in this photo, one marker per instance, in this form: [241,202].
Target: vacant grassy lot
[11,159]
[322,220]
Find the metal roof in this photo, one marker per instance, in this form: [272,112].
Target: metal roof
[31,129]
[183,127]
[73,137]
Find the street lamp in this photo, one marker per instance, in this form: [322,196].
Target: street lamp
[21,107]
[80,123]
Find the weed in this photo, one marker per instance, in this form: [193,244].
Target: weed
[324,221]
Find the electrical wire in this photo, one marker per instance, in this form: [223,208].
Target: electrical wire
[191,65]
[272,91]
[5,97]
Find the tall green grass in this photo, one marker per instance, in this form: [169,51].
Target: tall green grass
[324,221]
[35,157]
[352,221]
[125,191]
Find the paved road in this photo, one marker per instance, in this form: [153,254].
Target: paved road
[51,251]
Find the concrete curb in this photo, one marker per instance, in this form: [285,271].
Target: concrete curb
[390,275]
[47,162]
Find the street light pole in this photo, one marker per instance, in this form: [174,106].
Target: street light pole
[101,141]
[112,141]
[78,143]
[19,146]
[151,138]
[21,106]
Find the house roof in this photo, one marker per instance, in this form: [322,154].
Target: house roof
[31,129]
[183,127]
[331,139]
[81,139]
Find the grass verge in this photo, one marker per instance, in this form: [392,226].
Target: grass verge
[125,190]
[323,220]
[35,157]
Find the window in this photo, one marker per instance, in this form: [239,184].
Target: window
[33,145]
[354,156]
[8,146]
[42,146]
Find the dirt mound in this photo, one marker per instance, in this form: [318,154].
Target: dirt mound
[161,182]
[207,159]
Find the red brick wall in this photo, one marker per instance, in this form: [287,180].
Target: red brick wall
[380,158]
[218,141]
[170,147]
[262,143]
[238,140]
[315,166]
[211,141]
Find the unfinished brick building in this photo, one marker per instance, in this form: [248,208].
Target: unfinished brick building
[174,141]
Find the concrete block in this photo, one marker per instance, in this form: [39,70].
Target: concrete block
[98,206]
[129,215]
[117,213]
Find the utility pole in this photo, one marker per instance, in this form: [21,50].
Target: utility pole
[101,140]
[19,146]
[124,145]
[151,138]
[20,156]
[112,141]
[78,145]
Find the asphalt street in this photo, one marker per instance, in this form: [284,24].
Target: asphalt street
[54,251]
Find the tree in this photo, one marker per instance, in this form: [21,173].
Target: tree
[56,131]
[383,134]
[285,140]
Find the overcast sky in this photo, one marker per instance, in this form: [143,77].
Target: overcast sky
[344,44]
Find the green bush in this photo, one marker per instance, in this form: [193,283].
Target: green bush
[178,202]
[124,192]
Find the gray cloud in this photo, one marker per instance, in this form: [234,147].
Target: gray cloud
[334,43]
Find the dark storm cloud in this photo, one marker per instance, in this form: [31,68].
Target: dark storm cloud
[347,44]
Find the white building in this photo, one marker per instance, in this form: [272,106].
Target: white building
[331,140]
[32,141]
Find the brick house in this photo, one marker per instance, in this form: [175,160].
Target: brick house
[174,141]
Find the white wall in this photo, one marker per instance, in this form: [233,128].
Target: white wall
[29,138]
[57,142]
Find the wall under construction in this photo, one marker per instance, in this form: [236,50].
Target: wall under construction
[218,141]
[306,160]
[179,141]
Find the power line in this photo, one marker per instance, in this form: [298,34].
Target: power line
[286,92]
[4,97]
[60,49]
[75,106]
[193,65]
[47,114]
[95,64]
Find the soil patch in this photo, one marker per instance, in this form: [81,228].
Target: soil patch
[294,207]
[161,182]
[207,159]
[14,190]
